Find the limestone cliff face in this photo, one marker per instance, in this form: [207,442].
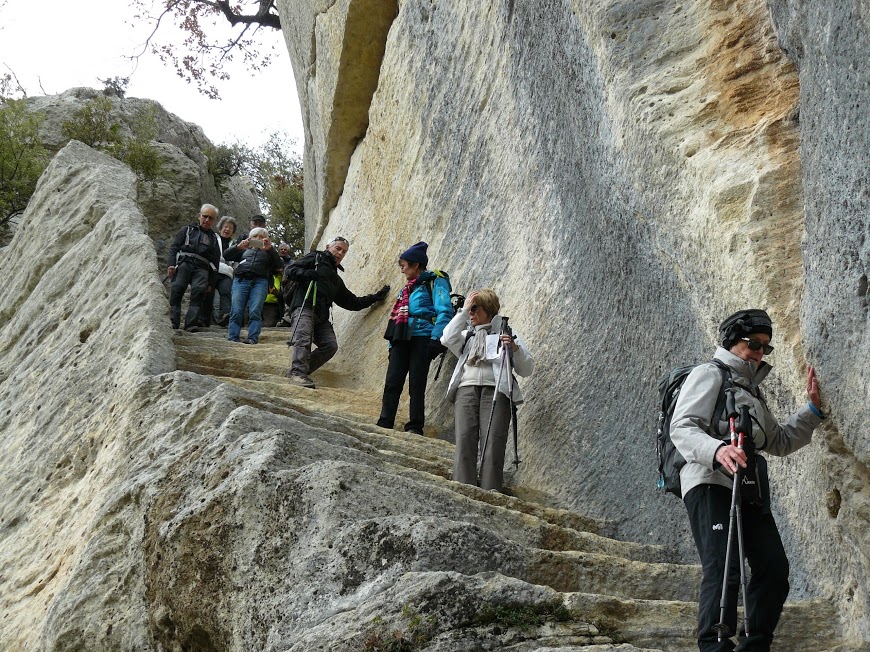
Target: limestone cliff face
[168,203]
[172,492]
[624,174]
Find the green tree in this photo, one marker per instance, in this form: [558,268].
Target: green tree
[139,152]
[23,158]
[276,171]
[93,125]
[278,178]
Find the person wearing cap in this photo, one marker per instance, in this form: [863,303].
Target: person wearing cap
[711,460]
[419,315]
[313,286]
[257,222]
[193,260]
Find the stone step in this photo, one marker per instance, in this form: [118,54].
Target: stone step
[551,528]
[806,625]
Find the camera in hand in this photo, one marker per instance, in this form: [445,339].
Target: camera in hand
[255,243]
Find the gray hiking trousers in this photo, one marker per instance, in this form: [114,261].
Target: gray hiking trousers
[311,330]
[471,412]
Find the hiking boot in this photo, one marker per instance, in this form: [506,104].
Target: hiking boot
[223,321]
[302,381]
[249,341]
[192,329]
[414,431]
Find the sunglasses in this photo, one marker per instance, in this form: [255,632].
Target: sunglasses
[338,238]
[755,345]
[473,309]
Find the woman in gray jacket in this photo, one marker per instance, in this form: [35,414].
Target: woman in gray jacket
[707,488]
[472,387]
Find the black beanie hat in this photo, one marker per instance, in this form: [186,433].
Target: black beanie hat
[416,254]
[742,324]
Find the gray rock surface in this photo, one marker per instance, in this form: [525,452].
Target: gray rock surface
[169,203]
[830,47]
[624,174]
[164,491]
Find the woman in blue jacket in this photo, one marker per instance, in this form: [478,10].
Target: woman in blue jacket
[418,318]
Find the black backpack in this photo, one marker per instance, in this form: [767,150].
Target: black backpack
[669,458]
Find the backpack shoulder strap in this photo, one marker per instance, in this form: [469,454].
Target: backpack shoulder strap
[726,384]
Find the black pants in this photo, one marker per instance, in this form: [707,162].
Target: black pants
[224,288]
[197,278]
[407,359]
[709,508]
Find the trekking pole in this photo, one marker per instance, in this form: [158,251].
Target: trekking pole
[735,516]
[501,366]
[744,427]
[511,381]
[304,301]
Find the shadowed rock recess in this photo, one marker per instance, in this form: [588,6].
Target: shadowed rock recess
[623,173]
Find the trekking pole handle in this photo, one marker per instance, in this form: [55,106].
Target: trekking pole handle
[744,426]
[730,404]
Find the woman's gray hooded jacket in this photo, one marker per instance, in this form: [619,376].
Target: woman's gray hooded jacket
[694,410]
[454,339]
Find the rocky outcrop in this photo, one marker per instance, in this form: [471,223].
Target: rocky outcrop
[624,175]
[174,492]
[172,201]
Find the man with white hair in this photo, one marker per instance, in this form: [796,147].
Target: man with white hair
[193,260]
[316,285]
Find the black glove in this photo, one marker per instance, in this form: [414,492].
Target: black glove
[436,349]
[311,275]
[381,294]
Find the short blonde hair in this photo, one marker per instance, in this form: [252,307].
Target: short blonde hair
[258,232]
[488,300]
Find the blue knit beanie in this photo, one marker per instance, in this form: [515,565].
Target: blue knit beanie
[416,254]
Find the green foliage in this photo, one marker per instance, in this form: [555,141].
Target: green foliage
[93,125]
[522,616]
[225,161]
[138,152]
[416,634]
[276,172]
[23,157]
[115,86]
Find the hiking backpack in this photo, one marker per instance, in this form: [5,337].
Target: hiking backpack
[669,458]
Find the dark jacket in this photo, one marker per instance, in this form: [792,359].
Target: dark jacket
[321,267]
[202,244]
[254,263]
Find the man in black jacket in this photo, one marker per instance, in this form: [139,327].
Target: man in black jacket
[317,287]
[193,260]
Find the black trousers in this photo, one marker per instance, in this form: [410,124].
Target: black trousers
[197,278]
[407,359]
[709,509]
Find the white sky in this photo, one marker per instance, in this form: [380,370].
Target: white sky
[68,43]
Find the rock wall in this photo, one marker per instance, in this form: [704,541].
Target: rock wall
[169,203]
[624,174]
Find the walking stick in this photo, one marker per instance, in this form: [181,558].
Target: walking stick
[735,514]
[504,361]
[511,380]
[292,340]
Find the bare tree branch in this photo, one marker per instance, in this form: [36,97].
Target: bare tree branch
[200,56]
